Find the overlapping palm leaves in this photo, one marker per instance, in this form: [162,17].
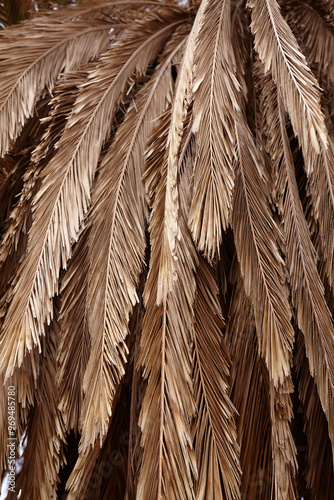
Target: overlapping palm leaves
[167,248]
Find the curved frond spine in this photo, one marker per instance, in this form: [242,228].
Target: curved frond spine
[64,49]
[181,102]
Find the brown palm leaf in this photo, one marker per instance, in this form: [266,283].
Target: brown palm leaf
[167,169]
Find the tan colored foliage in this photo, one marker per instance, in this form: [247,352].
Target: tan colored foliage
[166,256]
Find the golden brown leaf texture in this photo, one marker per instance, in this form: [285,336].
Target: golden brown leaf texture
[86,130]
[215,106]
[278,50]
[168,405]
[118,213]
[214,431]
[267,466]
[163,162]
[43,453]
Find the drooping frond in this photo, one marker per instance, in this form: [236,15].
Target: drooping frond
[74,342]
[181,103]
[261,438]
[45,432]
[318,37]
[297,86]
[215,105]
[319,450]
[249,394]
[97,467]
[256,236]
[313,316]
[215,435]
[103,472]
[62,202]
[15,238]
[27,70]
[119,214]
[149,174]
[168,464]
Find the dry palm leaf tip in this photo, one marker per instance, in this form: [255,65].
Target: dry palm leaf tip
[167,243]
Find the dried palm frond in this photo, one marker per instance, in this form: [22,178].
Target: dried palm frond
[215,107]
[165,356]
[86,130]
[167,169]
[313,316]
[119,211]
[316,32]
[74,343]
[214,433]
[249,389]
[299,89]
[319,449]
[256,237]
[181,103]
[43,454]
[62,52]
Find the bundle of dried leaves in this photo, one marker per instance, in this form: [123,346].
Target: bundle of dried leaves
[167,270]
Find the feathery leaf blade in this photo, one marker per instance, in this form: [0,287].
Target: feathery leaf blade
[313,316]
[298,88]
[181,102]
[215,437]
[319,473]
[64,197]
[249,393]
[74,343]
[168,463]
[215,104]
[256,235]
[117,247]
[25,75]
[316,32]
[43,454]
